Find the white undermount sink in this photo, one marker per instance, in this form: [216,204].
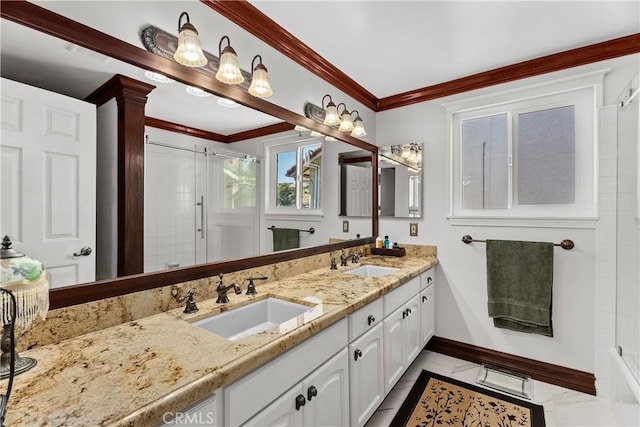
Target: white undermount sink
[372,271]
[253,318]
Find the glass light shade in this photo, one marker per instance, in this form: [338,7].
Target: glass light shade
[315,134]
[358,128]
[229,69]
[406,151]
[260,86]
[331,116]
[346,123]
[189,51]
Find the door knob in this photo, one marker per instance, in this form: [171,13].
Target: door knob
[84,251]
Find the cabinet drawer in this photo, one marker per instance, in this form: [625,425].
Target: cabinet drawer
[247,396]
[400,295]
[426,279]
[359,321]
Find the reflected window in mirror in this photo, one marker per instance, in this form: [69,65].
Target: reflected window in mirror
[295,177]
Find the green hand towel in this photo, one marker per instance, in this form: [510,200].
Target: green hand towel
[285,238]
[519,285]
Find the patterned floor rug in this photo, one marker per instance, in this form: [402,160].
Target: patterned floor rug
[435,400]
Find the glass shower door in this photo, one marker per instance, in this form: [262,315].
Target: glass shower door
[628,229]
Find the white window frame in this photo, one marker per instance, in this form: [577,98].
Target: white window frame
[271,155]
[583,91]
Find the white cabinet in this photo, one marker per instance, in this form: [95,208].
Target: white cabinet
[321,399]
[366,375]
[427,314]
[204,412]
[251,394]
[401,340]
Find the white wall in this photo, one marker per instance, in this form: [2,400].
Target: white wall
[461,312]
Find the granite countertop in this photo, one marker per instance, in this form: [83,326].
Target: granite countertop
[133,373]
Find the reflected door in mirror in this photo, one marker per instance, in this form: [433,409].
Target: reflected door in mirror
[48,158]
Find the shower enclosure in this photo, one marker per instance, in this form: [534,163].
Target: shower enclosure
[200,206]
[628,229]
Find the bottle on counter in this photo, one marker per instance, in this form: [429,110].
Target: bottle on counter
[379,242]
[386,242]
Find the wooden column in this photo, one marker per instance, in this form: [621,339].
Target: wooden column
[131,97]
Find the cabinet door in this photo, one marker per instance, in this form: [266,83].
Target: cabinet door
[394,347]
[412,326]
[427,314]
[281,412]
[366,385]
[327,393]
[204,412]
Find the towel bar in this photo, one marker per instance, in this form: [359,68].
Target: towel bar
[310,230]
[565,244]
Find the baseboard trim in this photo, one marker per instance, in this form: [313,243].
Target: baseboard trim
[584,382]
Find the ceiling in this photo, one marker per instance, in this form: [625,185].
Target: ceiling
[387,47]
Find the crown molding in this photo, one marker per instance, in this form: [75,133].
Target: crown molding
[255,22]
[610,49]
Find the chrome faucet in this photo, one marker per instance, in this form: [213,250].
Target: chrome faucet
[222,290]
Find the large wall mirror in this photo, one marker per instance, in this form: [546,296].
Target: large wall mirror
[399,182]
[234,199]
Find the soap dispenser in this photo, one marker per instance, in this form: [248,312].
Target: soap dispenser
[386,242]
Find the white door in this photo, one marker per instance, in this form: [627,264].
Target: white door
[366,385]
[358,191]
[48,154]
[427,314]
[327,393]
[395,336]
[412,325]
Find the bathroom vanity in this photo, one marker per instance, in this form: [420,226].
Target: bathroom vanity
[338,359]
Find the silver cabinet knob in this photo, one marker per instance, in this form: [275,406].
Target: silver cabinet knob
[85,251]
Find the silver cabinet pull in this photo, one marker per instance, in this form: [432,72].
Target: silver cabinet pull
[84,251]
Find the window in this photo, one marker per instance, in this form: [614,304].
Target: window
[295,177]
[526,154]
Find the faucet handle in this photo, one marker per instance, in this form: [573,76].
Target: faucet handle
[251,287]
[190,306]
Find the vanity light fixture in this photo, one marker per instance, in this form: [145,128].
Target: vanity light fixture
[346,123]
[229,67]
[196,91]
[331,116]
[358,126]
[260,86]
[227,103]
[189,51]
[157,77]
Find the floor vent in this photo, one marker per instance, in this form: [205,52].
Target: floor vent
[506,381]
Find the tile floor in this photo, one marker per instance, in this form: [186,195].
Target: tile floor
[562,407]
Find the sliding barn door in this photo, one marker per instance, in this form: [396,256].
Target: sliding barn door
[48,159]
